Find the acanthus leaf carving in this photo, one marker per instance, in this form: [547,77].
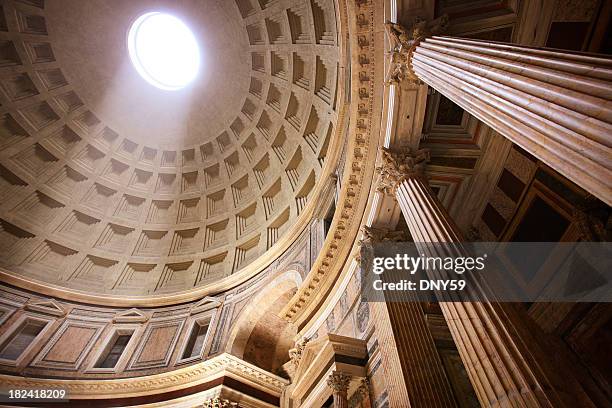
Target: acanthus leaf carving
[295,354]
[371,235]
[374,235]
[218,402]
[398,165]
[403,43]
[339,382]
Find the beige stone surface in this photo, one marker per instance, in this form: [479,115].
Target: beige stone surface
[117,187]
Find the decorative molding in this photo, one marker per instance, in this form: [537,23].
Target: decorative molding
[25,355]
[325,355]
[216,367]
[130,316]
[43,358]
[374,235]
[364,387]
[46,306]
[205,304]
[138,361]
[362,137]
[361,395]
[295,354]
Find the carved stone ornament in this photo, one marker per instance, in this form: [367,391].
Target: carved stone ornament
[219,403]
[295,354]
[364,387]
[362,393]
[403,42]
[399,165]
[339,382]
[372,235]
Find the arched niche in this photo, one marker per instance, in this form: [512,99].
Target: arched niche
[260,336]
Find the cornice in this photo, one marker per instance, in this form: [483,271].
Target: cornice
[322,355]
[224,364]
[367,60]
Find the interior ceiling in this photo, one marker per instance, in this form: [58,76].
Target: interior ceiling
[110,185]
[91,48]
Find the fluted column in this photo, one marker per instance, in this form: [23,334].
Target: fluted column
[557,105]
[339,383]
[508,362]
[415,373]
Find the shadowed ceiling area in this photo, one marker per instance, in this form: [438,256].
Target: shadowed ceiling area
[114,186]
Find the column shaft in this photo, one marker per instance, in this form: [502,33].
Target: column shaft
[506,361]
[340,399]
[555,105]
[415,373]
[423,371]
[416,376]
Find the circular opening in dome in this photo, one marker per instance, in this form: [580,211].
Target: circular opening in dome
[163,50]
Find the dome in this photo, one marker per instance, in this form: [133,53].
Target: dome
[118,187]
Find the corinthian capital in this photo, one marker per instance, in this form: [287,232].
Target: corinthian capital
[374,235]
[219,403]
[403,41]
[402,38]
[339,382]
[399,165]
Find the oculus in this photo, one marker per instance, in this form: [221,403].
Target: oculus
[163,50]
